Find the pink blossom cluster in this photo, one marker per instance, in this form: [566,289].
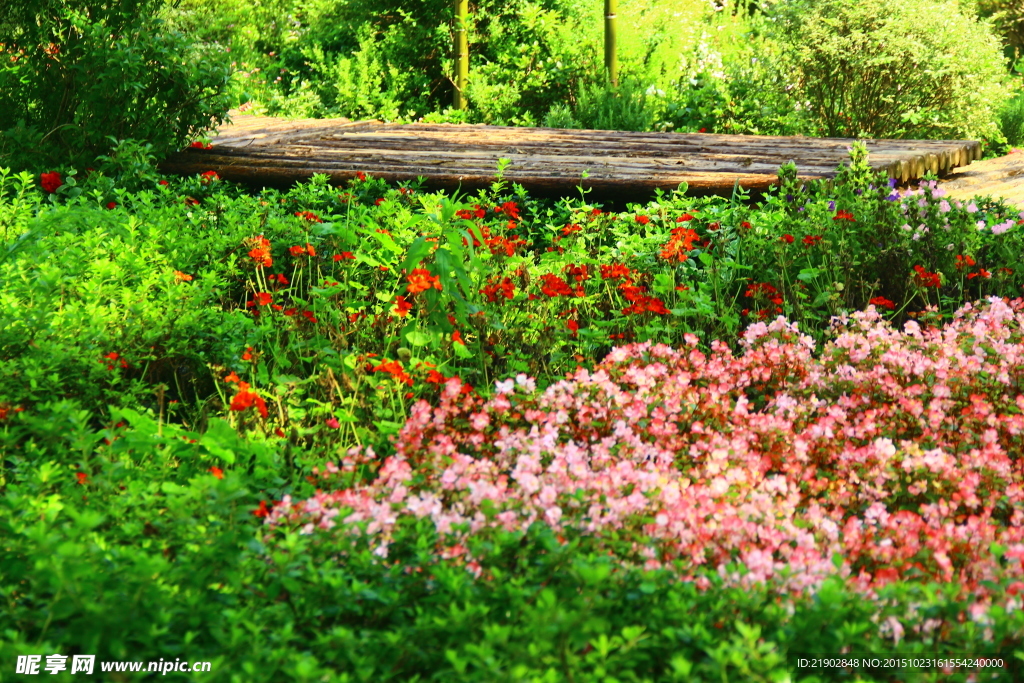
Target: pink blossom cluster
[892,454]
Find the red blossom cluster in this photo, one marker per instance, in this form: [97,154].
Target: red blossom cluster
[925,279]
[470,214]
[309,216]
[260,251]
[245,398]
[495,287]
[420,280]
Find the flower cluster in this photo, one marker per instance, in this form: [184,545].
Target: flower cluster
[245,398]
[890,457]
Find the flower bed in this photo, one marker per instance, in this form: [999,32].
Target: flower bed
[896,455]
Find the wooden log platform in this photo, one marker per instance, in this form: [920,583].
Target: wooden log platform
[614,164]
[1000,178]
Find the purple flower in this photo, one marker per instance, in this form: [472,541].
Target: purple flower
[893,197]
[831,206]
[892,182]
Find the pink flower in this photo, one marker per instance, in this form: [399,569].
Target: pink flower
[332,422]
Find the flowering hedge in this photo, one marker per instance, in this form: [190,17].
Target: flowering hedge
[895,455]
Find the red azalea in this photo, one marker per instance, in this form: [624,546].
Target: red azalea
[51,181]
[420,280]
[402,307]
[309,216]
[217,472]
[883,302]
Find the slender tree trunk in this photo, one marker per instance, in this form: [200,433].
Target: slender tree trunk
[461,52]
[611,62]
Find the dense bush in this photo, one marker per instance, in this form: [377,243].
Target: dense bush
[77,77]
[916,69]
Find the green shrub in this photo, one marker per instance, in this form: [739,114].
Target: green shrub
[1011,120]
[74,74]
[916,69]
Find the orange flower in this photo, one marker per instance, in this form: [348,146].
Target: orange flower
[457,338]
[181,277]
[421,280]
[217,472]
[263,298]
[81,476]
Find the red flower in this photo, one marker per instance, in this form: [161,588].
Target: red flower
[81,476]
[811,240]
[260,253]
[883,302]
[570,228]
[309,216]
[435,377]
[402,307]
[573,327]
[163,182]
[843,216]
[981,272]
[684,218]
[509,209]
[457,338]
[208,177]
[926,279]
[344,256]
[189,201]
[217,472]
[361,176]
[50,181]
[788,239]
[746,225]
[702,130]
[199,145]
[420,280]
[302,251]
[182,277]
[962,261]
[245,399]
[380,201]
[262,510]
[308,315]
[263,298]
[111,205]
[643,220]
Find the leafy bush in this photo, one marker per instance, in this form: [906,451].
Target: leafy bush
[1011,120]
[916,69]
[76,74]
